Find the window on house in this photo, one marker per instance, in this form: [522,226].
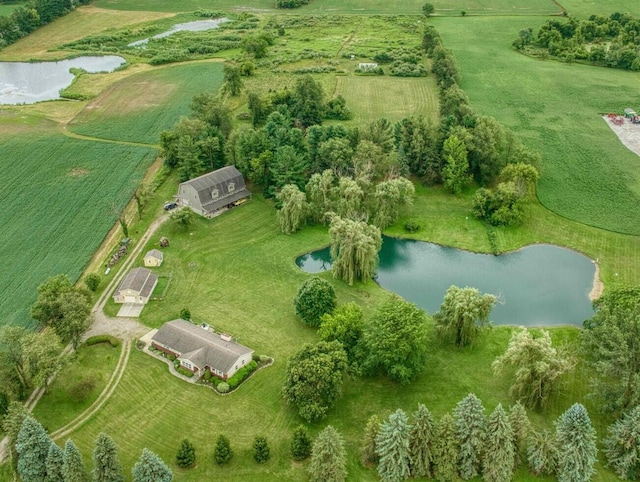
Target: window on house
[231,187]
[214,194]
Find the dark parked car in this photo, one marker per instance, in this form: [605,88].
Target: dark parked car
[170,206]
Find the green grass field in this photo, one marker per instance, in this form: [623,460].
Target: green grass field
[236,272]
[139,107]
[60,197]
[587,175]
[7,9]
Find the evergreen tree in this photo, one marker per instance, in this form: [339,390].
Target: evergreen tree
[577,452]
[54,464]
[261,452]
[73,468]
[471,423]
[445,450]
[542,453]
[521,428]
[106,465]
[186,456]
[392,446]
[328,457]
[498,460]
[223,451]
[371,430]
[421,443]
[622,446]
[150,467]
[300,444]
[32,445]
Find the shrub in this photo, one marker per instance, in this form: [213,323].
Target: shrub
[207,375]
[314,298]
[223,387]
[185,372]
[82,389]
[92,280]
[171,358]
[95,340]
[185,314]
[242,374]
[265,359]
[412,225]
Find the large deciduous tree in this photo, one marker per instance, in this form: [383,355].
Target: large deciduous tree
[471,428]
[498,457]
[308,108]
[294,209]
[455,173]
[151,467]
[12,423]
[577,452]
[314,378]
[315,298]
[389,198]
[354,249]
[32,445]
[106,464]
[622,446]
[538,367]
[392,446]
[396,340]
[232,79]
[421,443]
[609,344]
[345,325]
[328,457]
[463,313]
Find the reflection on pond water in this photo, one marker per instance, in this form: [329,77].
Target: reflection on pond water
[195,26]
[537,285]
[30,82]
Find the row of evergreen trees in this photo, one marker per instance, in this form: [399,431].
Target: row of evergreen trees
[467,443]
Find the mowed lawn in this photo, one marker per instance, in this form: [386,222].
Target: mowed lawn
[139,107]
[237,273]
[60,196]
[391,97]
[587,175]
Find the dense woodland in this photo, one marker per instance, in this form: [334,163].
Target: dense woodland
[609,41]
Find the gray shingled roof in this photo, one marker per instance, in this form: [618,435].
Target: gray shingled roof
[219,180]
[154,253]
[200,346]
[141,280]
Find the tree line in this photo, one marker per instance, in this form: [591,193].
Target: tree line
[27,18]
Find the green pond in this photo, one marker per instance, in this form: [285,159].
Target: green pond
[540,285]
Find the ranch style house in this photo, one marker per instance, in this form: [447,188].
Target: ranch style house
[199,349]
[213,193]
[136,287]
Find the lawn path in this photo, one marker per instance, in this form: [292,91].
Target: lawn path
[124,328]
[68,133]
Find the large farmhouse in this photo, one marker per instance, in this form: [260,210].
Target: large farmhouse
[136,287]
[212,193]
[199,349]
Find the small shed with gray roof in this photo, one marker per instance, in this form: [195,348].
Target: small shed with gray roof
[136,287]
[200,349]
[153,258]
[213,193]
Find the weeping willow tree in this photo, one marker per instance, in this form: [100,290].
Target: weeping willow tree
[354,249]
[294,209]
[391,196]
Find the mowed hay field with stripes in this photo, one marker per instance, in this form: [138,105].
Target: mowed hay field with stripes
[372,97]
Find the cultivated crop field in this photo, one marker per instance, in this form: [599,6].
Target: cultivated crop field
[587,175]
[60,196]
[139,107]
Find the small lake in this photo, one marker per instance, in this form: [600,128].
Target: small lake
[30,82]
[195,26]
[539,285]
